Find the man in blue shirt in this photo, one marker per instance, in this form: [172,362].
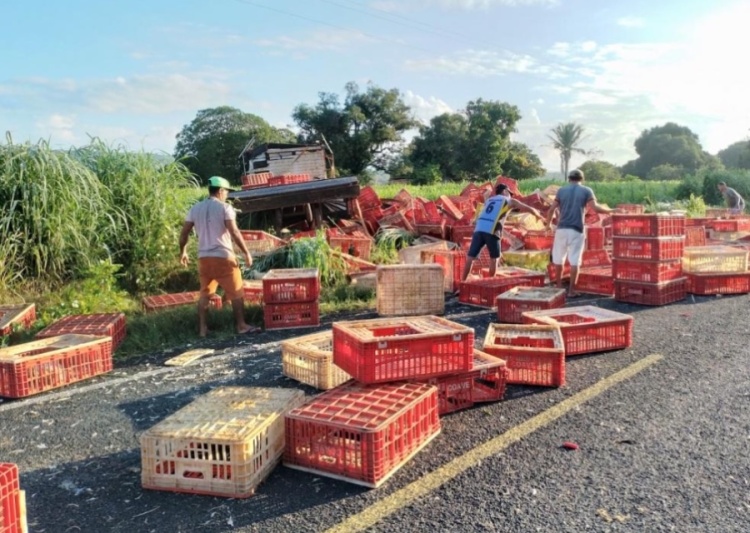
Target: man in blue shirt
[569,241]
[489,227]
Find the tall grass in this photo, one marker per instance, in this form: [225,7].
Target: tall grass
[50,214]
[144,193]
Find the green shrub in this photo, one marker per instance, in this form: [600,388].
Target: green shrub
[428,175]
[737,179]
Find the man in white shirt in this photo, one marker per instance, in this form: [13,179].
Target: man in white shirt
[215,223]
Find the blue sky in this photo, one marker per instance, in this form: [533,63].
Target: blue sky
[136,72]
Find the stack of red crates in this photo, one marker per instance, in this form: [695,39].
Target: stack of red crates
[12,501]
[407,372]
[290,298]
[648,253]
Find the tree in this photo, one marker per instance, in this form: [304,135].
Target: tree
[670,144]
[365,131]
[600,171]
[212,142]
[490,124]
[522,163]
[736,155]
[441,143]
[475,144]
[566,139]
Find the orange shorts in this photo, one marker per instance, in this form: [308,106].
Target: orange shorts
[218,271]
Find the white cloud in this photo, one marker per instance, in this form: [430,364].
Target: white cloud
[338,41]
[479,63]
[631,22]
[58,127]
[425,108]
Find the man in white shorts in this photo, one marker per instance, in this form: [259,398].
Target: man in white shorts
[569,241]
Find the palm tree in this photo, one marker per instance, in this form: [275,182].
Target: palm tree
[566,139]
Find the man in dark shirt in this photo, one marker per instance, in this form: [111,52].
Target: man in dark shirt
[571,201]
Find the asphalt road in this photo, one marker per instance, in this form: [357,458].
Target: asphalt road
[663,450]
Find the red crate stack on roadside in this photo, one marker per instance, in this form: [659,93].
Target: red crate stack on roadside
[647,263]
[407,372]
[290,298]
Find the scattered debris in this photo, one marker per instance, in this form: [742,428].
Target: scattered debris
[189,357]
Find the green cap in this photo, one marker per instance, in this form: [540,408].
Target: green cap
[218,181]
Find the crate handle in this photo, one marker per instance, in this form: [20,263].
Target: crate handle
[382,345]
[458,337]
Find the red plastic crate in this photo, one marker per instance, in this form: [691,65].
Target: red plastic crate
[390,349]
[485,382]
[533,354]
[254,181]
[484,292]
[361,434]
[730,225]
[439,230]
[595,258]
[596,281]
[664,293]
[291,315]
[695,236]
[697,221]
[646,271]
[635,209]
[462,235]
[287,285]
[653,225]
[178,299]
[368,198]
[511,304]
[718,283]
[538,240]
[594,237]
[288,179]
[12,513]
[23,315]
[552,272]
[357,245]
[45,364]
[101,325]
[260,242]
[648,248]
[253,291]
[586,328]
[453,263]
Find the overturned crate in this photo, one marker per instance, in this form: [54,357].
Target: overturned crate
[586,328]
[410,290]
[49,363]
[513,303]
[362,434]
[533,354]
[485,382]
[309,360]
[452,263]
[20,315]
[390,349]
[225,443]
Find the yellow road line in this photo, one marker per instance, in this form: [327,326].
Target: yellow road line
[405,496]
